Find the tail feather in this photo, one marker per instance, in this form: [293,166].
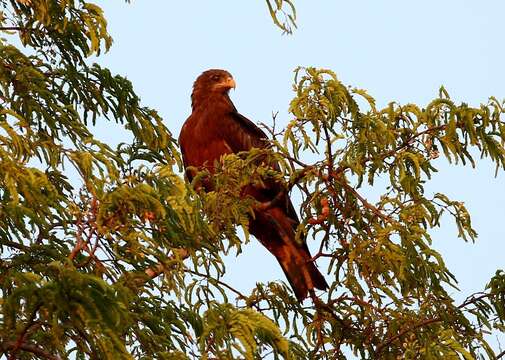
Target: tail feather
[301,272]
[276,232]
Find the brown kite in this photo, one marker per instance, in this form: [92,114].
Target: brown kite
[214,129]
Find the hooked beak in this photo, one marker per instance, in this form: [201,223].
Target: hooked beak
[230,83]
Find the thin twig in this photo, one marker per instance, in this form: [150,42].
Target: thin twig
[80,242]
[405,331]
[238,293]
[158,269]
[364,201]
[472,299]
[12,28]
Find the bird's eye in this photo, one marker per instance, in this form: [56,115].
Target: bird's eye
[215,77]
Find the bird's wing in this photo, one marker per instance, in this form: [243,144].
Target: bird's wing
[183,146]
[242,134]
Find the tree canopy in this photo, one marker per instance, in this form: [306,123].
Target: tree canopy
[108,253]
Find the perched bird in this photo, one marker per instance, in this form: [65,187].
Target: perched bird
[214,129]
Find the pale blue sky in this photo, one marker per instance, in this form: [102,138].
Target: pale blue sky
[398,50]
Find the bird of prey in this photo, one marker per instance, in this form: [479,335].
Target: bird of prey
[215,128]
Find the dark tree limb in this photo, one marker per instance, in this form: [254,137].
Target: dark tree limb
[23,335]
[12,28]
[34,349]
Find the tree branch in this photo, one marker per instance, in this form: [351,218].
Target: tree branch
[34,349]
[474,298]
[16,245]
[158,269]
[470,300]
[235,291]
[365,203]
[405,331]
[12,28]
[23,335]
[407,142]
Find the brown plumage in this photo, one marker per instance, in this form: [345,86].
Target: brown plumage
[214,129]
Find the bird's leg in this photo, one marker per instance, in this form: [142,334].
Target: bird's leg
[314,297]
[262,206]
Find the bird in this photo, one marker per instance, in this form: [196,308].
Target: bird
[215,128]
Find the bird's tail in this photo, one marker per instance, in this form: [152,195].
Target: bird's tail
[301,272]
[295,259]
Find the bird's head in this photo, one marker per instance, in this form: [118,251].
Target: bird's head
[210,83]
